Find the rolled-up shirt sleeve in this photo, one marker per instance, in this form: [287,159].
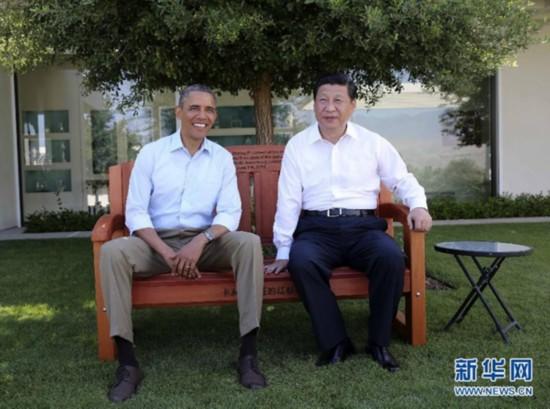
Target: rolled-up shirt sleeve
[228,207]
[289,204]
[395,176]
[139,192]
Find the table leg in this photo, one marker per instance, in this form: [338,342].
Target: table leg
[470,298]
[486,274]
[511,319]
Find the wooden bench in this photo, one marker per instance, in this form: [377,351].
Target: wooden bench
[257,172]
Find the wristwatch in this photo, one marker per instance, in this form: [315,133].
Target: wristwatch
[208,235]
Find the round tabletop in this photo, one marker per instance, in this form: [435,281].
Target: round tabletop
[483,248]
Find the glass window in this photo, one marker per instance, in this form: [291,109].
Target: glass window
[235,117]
[444,141]
[167,121]
[68,141]
[104,143]
[46,152]
[49,180]
[138,126]
[112,136]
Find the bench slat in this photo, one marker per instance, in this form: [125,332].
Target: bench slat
[168,290]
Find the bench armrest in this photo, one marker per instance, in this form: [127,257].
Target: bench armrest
[413,322]
[105,226]
[395,211]
[413,241]
[399,213]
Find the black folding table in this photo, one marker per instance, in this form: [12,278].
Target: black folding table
[498,252]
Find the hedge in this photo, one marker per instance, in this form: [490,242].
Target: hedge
[60,220]
[524,205]
[441,208]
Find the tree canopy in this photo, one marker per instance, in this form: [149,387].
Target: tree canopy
[21,44]
[268,46]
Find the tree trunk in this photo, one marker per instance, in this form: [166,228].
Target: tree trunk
[261,94]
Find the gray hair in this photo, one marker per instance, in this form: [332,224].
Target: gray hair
[184,93]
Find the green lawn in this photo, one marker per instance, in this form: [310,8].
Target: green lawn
[48,347]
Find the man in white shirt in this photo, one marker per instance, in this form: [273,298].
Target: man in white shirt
[328,189]
[182,210]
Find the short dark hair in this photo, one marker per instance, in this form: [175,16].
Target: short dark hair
[184,93]
[338,78]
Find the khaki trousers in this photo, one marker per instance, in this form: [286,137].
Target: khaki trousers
[128,257]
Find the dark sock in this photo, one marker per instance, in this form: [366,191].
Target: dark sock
[248,343]
[126,354]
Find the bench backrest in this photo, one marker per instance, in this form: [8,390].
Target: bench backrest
[258,168]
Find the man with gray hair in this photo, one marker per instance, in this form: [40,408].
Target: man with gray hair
[182,211]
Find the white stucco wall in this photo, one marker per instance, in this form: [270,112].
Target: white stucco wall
[9,190]
[524,122]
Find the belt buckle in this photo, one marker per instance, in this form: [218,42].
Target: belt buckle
[337,214]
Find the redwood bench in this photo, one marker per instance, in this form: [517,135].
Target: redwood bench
[257,173]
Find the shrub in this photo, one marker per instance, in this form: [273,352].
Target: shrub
[524,205]
[60,220]
[441,208]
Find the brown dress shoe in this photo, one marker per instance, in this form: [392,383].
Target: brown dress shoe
[249,374]
[126,383]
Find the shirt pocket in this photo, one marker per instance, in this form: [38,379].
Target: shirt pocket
[316,173]
[358,172]
[206,192]
[168,187]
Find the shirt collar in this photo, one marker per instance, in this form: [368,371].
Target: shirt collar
[315,135]
[175,143]
[352,131]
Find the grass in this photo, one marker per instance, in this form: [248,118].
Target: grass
[48,351]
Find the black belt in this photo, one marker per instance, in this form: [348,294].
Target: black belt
[339,212]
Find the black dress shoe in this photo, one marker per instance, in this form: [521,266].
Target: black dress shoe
[383,357]
[339,353]
[126,383]
[250,375]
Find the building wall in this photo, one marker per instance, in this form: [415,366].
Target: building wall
[9,191]
[524,122]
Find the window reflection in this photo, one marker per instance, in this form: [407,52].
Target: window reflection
[444,141]
[138,126]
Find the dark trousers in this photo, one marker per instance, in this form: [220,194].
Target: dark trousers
[322,243]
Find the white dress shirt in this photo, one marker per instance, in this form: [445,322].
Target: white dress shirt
[319,175]
[170,189]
